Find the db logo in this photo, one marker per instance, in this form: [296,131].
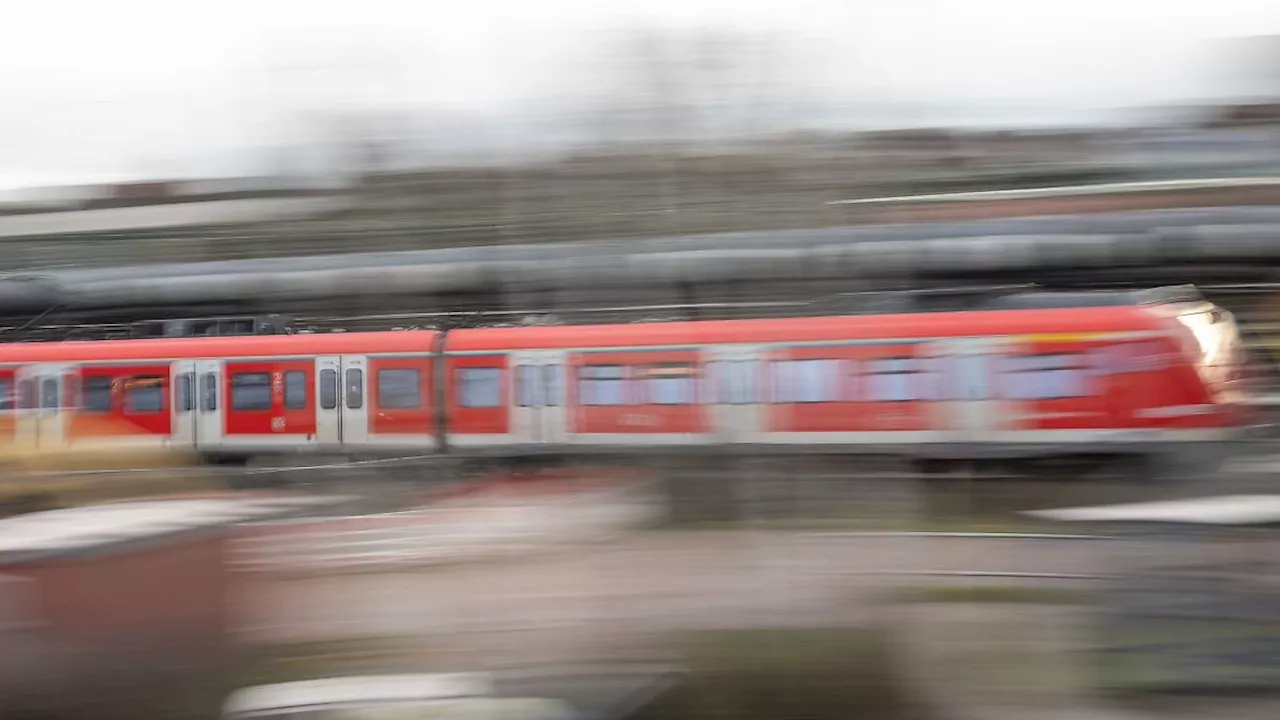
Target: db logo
[277,424]
[640,420]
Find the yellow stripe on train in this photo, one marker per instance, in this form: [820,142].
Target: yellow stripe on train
[1059,337]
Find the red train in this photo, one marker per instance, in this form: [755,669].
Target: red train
[1034,380]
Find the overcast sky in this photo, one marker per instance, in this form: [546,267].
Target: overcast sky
[99,89]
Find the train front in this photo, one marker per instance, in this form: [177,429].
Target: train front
[1222,362]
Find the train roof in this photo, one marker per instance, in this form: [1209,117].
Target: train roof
[407,341]
[808,329]
[794,329]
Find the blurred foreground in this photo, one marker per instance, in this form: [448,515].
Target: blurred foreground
[817,590]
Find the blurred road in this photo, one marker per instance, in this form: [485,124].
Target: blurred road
[572,604]
[576,602]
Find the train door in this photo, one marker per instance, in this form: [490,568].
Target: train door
[8,404]
[537,407]
[41,397]
[208,390]
[354,424]
[732,389]
[183,407]
[27,408]
[329,400]
[969,401]
[554,422]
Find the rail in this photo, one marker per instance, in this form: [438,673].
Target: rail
[1067,191]
[990,535]
[983,574]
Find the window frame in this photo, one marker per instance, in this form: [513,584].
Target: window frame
[129,402]
[234,385]
[415,396]
[28,391]
[869,373]
[585,380]
[330,397]
[87,389]
[353,388]
[289,392]
[46,396]
[1079,363]
[461,384]
[783,380]
[209,391]
[184,399]
[527,393]
[689,386]
[552,385]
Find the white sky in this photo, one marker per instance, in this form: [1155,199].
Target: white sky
[105,88]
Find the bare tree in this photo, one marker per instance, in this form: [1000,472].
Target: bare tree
[335,103]
[679,86]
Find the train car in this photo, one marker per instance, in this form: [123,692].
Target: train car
[229,397]
[1028,376]
[1137,377]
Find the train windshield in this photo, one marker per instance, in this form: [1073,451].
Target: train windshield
[1219,351]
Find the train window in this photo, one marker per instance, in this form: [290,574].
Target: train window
[144,394]
[328,389]
[209,392]
[1130,357]
[852,380]
[251,391]
[602,384]
[355,388]
[71,391]
[479,387]
[894,380]
[527,386]
[49,394]
[671,384]
[183,395]
[295,390]
[6,394]
[943,377]
[27,394]
[717,381]
[1149,356]
[740,382]
[1045,377]
[970,377]
[806,381]
[399,389]
[712,379]
[551,390]
[97,394]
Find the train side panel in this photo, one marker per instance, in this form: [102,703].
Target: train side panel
[268,403]
[1126,384]
[128,402]
[478,400]
[648,397]
[1083,378]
